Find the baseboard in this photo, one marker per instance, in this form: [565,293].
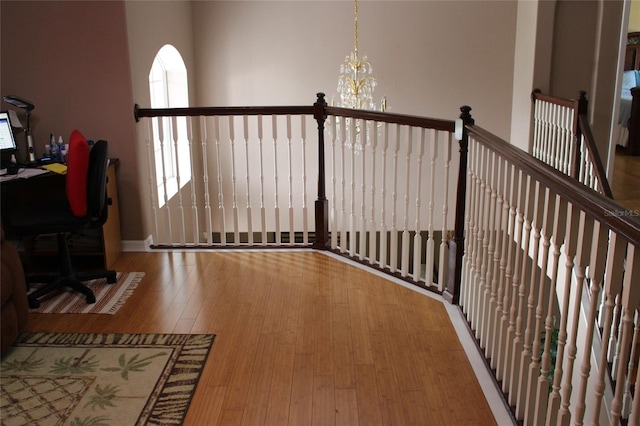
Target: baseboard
[137,245]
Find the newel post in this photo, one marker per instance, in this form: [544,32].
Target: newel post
[321,205]
[456,246]
[580,107]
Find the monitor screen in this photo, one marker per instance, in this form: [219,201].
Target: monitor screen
[7,141]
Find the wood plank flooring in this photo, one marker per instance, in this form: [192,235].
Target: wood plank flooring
[302,339]
[625,183]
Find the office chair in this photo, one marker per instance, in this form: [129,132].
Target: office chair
[85,206]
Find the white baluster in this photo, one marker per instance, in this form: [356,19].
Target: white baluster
[612,288]
[627,398]
[495,301]
[472,232]
[247,178]
[276,201]
[162,135]
[352,188]
[417,238]
[234,183]
[546,149]
[373,246]
[263,211]
[582,258]
[530,276]
[614,342]
[558,236]
[516,243]
[195,231]
[502,253]
[362,224]
[569,252]
[508,245]
[335,220]
[343,191]
[292,237]
[153,184]
[466,259]
[536,129]
[221,205]
[544,224]
[443,266]
[484,288]
[522,253]
[630,301]
[393,260]
[174,144]
[205,180]
[493,247]
[383,194]
[404,263]
[432,180]
[634,418]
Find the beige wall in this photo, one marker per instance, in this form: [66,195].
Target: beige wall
[585,57]
[429,57]
[70,59]
[151,25]
[634,16]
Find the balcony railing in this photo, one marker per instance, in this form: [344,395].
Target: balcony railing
[545,269]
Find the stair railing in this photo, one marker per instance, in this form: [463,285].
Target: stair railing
[541,252]
[562,138]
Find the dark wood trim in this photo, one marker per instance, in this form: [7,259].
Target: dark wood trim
[401,119]
[456,246]
[321,204]
[212,111]
[592,149]
[614,216]
[538,95]
[633,145]
[580,107]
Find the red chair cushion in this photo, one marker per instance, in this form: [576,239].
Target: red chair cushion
[77,173]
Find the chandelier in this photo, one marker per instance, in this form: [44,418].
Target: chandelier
[356,83]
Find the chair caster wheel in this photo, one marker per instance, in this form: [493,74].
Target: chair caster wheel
[91,298]
[111,278]
[33,303]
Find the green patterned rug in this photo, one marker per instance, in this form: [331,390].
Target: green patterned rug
[101,379]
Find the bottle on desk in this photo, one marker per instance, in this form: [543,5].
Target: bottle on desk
[53,147]
[62,151]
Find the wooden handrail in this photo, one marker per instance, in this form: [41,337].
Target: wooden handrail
[401,119]
[624,222]
[581,131]
[385,117]
[594,155]
[139,112]
[538,95]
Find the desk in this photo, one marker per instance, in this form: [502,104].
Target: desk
[50,186]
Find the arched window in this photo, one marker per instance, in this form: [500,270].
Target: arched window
[168,88]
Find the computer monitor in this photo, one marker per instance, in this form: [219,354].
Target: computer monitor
[7,141]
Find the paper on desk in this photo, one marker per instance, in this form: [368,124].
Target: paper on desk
[56,168]
[30,172]
[24,173]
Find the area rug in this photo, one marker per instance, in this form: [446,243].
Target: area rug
[101,379]
[109,297]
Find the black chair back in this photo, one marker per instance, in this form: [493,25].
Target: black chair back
[97,184]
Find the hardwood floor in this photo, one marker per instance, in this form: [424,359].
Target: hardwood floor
[301,339]
[625,184]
